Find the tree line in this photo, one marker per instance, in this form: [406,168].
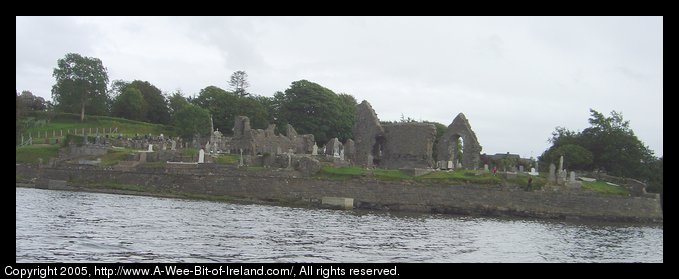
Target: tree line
[82,86]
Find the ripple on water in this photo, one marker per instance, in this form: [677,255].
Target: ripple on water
[58,226]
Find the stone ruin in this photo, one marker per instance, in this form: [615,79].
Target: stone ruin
[409,145]
[368,135]
[258,141]
[447,146]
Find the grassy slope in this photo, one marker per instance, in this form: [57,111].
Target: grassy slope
[603,187]
[67,121]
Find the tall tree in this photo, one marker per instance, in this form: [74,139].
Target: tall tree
[220,104]
[192,120]
[314,109]
[155,103]
[239,83]
[176,102]
[608,144]
[129,104]
[32,102]
[80,82]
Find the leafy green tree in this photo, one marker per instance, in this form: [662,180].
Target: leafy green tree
[192,120]
[222,105]
[575,156]
[239,83]
[155,103]
[314,109]
[176,101]
[80,82]
[613,146]
[32,102]
[130,105]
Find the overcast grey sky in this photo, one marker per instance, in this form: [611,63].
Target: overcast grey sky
[515,78]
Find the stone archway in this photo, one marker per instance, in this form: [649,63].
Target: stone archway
[447,146]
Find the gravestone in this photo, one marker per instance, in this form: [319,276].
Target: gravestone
[314,150]
[150,147]
[449,165]
[207,146]
[560,163]
[201,156]
[341,154]
[572,177]
[289,161]
[485,168]
[164,146]
[174,145]
[240,163]
[520,168]
[459,165]
[561,177]
[533,172]
[552,173]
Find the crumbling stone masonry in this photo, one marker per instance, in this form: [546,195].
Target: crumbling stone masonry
[447,146]
[408,145]
[368,135]
[258,141]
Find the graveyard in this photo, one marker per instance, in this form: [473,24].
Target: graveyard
[385,166]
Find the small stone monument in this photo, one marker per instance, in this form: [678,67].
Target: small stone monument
[341,154]
[207,146]
[485,168]
[241,157]
[174,145]
[150,148]
[164,146]
[449,165]
[552,173]
[314,150]
[572,177]
[520,168]
[201,156]
[561,163]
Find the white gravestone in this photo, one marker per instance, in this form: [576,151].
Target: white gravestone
[201,156]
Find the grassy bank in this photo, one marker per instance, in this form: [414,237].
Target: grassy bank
[44,124]
[605,188]
[32,153]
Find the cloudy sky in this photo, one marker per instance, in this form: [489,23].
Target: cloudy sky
[515,78]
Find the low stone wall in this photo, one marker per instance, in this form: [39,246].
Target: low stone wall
[369,193]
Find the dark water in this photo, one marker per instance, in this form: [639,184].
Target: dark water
[72,226]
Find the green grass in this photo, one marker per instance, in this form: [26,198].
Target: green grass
[346,171]
[522,181]
[227,159]
[70,121]
[31,154]
[189,152]
[384,174]
[603,187]
[114,156]
[460,176]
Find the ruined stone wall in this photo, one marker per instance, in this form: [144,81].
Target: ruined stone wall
[447,147]
[258,141]
[375,194]
[408,145]
[366,129]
